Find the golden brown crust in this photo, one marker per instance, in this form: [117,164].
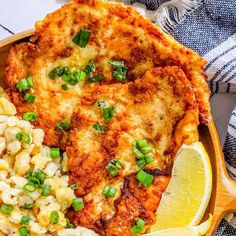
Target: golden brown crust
[159,107]
[118,32]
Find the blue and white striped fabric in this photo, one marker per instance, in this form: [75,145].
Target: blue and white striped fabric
[208,27]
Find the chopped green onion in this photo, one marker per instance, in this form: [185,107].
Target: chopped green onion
[66,78]
[29,81]
[68,224]
[73,80]
[6,209]
[82,38]
[120,70]
[25,220]
[113,167]
[144,178]
[22,85]
[54,152]
[78,204]
[23,231]
[63,126]
[141,163]
[79,74]
[34,180]
[147,149]
[37,177]
[101,103]
[54,217]
[58,71]
[65,70]
[28,206]
[29,97]
[90,68]
[95,79]
[105,191]
[74,186]
[64,87]
[112,192]
[46,190]
[40,175]
[138,154]
[30,116]
[22,136]
[149,159]
[142,143]
[108,113]
[109,191]
[100,128]
[138,227]
[29,188]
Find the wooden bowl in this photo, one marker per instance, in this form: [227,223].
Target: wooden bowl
[223,198]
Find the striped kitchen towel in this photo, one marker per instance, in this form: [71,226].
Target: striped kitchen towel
[208,27]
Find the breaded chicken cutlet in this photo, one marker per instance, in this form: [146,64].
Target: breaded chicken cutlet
[117,33]
[159,107]
[120,97]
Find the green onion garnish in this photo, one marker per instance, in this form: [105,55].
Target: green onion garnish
[30,116]
[29,81]
[54,217]
[28,206]
[113,167]
[58,71]
[141,143]
[68,224]
[23,231]
[22,136]
[6,209]
[79,74]
[141,149]
[144,178]
[101,103]
[108,113]
[63,126]
[120,70]
[66,77]
[64,87]
[141,163]
[146,150]
[40,175]
[74,186]
[22,85]
[46,190]
[37,178]
[25,220]
[78,204]
[95,79]
[109,191]
[30,188]
[138,227]
[149,159]
[54,152]
[90,68]
[29,97]
[82,38]
[100,128]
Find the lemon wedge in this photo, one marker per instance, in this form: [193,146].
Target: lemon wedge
[185,231]
[187,195]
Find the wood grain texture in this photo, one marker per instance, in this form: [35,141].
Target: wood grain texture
[223,199]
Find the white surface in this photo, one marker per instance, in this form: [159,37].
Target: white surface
[4,33]
[20,15]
